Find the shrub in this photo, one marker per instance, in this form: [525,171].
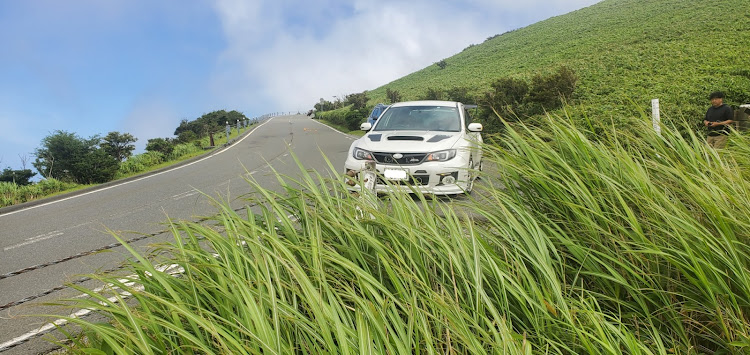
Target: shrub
[141,162]
[50,186]
[553,90]
[345,118]
[354,118]
[433,94]
[182,150]
[392,95]
[507,91]
[12,194]
[8,193]
[460,94]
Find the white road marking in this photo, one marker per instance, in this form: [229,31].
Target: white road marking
[185,194]
[33,240]
[336,130]
[170,269]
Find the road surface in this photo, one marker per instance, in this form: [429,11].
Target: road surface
[47,245]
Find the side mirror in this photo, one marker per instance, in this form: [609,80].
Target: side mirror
[366,126]
[475,127]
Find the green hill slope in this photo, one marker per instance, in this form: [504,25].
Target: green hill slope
[625,53]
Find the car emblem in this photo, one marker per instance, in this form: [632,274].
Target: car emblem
[398,156]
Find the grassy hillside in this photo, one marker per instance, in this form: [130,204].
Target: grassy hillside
[625,53]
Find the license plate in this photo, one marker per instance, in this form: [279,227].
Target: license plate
[395,174]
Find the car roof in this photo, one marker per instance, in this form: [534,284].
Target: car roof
[425,103]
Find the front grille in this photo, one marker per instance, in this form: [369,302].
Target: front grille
[413,180]
[407,159]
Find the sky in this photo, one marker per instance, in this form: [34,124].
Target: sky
[91,67]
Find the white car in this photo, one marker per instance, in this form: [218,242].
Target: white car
[430,146]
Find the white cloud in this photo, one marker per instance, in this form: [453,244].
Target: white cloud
[376,43]
[364,45]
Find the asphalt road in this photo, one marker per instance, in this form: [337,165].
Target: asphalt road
[46,245]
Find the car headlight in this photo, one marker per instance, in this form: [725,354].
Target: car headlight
[361,154]
[442,155]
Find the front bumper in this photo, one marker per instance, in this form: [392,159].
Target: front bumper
[427,178]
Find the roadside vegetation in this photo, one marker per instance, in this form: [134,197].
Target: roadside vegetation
[623,244]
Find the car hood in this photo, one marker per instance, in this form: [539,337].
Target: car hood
[408,141]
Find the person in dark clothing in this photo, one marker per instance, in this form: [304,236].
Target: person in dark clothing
[718,119]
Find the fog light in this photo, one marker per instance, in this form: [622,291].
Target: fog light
[449,179]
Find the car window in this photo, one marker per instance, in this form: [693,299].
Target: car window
[420,118]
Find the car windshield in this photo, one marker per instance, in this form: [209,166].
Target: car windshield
[420,118]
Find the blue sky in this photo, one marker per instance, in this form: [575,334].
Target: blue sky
[140,66]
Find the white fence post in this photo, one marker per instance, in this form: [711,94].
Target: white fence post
[655,116]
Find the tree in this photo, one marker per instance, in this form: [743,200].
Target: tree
[96,167]
[18,177]
[68,157]
[358,100]
[323,105]
[119,145]
[58,153]
[161,145]
[209,122]
[24,160]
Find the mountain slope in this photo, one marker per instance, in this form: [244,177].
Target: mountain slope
[623,51]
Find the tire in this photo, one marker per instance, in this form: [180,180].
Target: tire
[470,183]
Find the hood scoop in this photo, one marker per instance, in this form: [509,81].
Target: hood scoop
[438,138]
[405,138]
[374,137]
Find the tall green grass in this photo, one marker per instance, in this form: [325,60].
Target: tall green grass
[141,162]
[621,244]
[150,160]
[11,193]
